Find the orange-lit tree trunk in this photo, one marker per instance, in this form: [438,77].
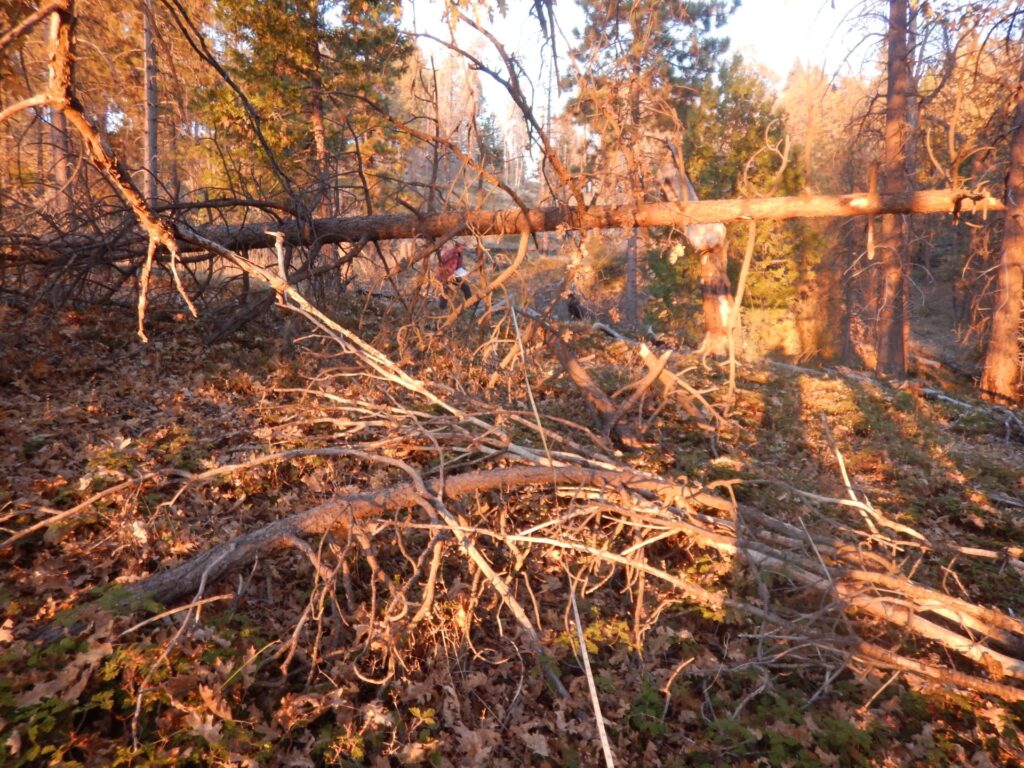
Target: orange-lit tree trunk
[61,161]
[1001,373]
[892,313]
[716,298]
[316,109]
[152,102]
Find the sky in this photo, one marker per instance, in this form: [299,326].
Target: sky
[778,33]
[774,34]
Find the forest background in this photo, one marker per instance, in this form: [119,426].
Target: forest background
[220,226]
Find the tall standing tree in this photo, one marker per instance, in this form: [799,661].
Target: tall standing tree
[641,65]
[1001,375]
[149,59]
[152,103]
[892,321]
[297,61]
[61,151]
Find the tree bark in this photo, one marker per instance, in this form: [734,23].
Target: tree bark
[152,104]
[61,170]
[716,298]
[1001,374]
[324,204]
[513,221]
[892,316]
[630,301]
[183,580]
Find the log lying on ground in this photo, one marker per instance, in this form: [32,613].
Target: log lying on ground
[510,221]
[184,580]
[831,567]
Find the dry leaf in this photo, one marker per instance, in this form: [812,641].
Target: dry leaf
[71,680]
[204,727]
[477,745]
[535,742]
[14,743]
[416,753]
[213,701]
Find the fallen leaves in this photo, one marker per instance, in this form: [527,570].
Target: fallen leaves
[462,691]
[72,678]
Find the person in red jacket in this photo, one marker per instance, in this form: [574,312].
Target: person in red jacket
[452,274]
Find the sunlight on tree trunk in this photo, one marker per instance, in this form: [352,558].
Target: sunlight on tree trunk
[630,302]
[61,161]
[1001,375]
[152,104]
[892,315]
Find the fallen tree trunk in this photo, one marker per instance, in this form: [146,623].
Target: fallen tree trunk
[679,214]
[990,638]
[185,579]
[674,214]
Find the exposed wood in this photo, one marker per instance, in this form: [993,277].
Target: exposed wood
[514,221]
[892,327]
[183,580]
[1001,376]
[716,299]
[709,240]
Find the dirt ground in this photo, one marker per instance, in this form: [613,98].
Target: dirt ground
[276,669]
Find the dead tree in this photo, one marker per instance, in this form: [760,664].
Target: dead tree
[152,103]
[892,323]
[1002,371]
[709,241]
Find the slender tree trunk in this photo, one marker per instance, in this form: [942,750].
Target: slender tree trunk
[324,205]
[175,175]
[631,139]
[630,303]
[716,298]
[6,160]
[1001,373]
[892,315]
[152,106]
[61,171]
[40,142]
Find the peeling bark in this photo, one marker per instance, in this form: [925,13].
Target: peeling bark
[892,324]
[183,580]
[1001,375]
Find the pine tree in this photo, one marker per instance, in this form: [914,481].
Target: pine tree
[301,63]
[641,63]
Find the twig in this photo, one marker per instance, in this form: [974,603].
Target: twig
[595,702]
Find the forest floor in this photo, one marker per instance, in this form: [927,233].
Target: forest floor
[164,442]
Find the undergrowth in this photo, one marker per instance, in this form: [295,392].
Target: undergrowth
[82,683]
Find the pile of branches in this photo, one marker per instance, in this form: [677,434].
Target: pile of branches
[592,513]
[459,492]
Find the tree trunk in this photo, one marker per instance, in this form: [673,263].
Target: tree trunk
[488,223]
[61,171]
[1001,374]
[324,206]
[630,309]
[149,56]
[40,143]
[716,298]
[892,315]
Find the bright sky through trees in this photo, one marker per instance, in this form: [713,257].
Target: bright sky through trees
[778,33]
[773,33]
